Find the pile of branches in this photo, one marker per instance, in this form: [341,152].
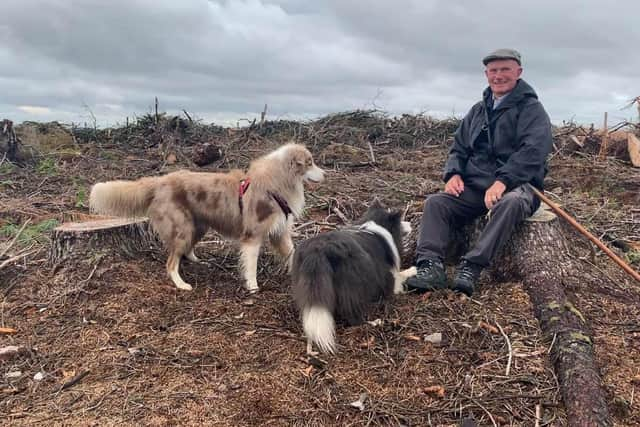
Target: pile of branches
[365,129]
[360,127]
[573,139]
[150,130]
[608,202]
[353,128]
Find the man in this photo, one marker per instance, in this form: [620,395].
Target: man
[500,147]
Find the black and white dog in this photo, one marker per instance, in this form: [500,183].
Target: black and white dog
[340,273]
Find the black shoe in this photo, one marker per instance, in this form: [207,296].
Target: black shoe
[466,276]
[430,276]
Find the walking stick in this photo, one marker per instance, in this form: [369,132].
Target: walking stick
[584,231]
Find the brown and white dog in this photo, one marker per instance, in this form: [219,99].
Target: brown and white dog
[250,207]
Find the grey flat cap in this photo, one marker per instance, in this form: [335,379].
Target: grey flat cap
[503,54]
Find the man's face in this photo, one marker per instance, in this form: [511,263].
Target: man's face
[502,75]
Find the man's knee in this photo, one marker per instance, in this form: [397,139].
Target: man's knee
[513,202]
[437,202]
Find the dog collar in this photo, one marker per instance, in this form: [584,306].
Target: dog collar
[282,203]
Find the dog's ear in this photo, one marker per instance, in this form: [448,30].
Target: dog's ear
[300,156]
[376,203]
[297,161]
[395,216]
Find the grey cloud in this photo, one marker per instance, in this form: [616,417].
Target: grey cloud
[225,59]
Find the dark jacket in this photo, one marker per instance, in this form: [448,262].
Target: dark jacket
[510,143]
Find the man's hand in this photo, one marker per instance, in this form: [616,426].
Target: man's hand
[454,186]
[493,194]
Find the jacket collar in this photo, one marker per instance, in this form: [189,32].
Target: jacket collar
[521,91]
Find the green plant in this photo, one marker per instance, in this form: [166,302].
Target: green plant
[47,166]
[31,233]
[81,197]
[633,257]
[108,155]
[6,168]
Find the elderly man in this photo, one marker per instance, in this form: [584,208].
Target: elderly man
[500,147]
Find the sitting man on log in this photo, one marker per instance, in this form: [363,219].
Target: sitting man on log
[500,146]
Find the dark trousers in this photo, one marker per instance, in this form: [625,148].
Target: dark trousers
[444,212]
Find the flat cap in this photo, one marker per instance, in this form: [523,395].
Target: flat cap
[503,54]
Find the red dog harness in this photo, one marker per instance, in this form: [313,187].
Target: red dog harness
[244,186]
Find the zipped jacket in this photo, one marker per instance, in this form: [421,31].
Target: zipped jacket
[509,144]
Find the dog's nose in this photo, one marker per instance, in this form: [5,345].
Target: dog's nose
[315,174]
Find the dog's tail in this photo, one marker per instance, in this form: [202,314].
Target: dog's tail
[122,198]
[315,297]
[319,327]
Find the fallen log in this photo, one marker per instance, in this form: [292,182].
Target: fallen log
[537,256]
[121,236]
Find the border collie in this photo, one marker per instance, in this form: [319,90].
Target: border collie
[340,273]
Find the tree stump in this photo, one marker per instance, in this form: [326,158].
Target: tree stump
[537,255]
[206,153]
[121,236]
[12,140]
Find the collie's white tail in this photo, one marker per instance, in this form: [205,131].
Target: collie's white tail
[319,327]
[122,198]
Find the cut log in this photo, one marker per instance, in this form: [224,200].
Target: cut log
[125,237]
[537,255]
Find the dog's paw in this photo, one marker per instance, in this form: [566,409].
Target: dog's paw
[184,286]
[400,277]
[252,288]
[191,256]
[289,263]
[409,272]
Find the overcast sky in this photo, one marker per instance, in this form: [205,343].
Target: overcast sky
[223,60]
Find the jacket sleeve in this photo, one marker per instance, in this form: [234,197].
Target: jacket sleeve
[535,143]
[460,151]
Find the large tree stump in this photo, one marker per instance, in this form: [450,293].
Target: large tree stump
[126,237]
[537,255]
